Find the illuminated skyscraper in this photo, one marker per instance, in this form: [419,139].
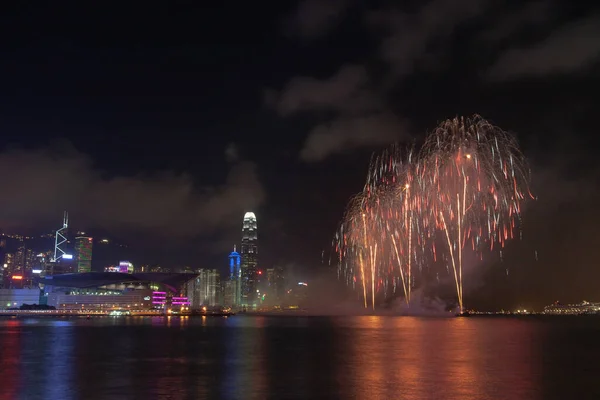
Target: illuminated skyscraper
[204,289]
[20,256]
[234,288]
[9,263]
[83,252]
[249,259]
[60,240]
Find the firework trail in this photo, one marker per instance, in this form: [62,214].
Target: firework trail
[361,243]
[374,241]
[474,181]
[467,185]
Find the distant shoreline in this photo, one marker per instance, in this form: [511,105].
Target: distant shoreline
[297,314]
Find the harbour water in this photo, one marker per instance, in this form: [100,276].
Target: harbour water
[262,357]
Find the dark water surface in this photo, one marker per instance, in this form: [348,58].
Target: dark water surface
[246,357]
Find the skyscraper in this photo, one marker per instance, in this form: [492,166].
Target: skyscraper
[249,255]
[83,252]
[20,256]
[206,289]
[234,283]
[279,284]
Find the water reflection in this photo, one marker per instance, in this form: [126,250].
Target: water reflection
[58,361]
[244,369]
[299,358]
[360,366]
[115,370]
[570,358]
[10,350]
[461,379]
[410,371]
[247,357]
[36,363]
[416,358]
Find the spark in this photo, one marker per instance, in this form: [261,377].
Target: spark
[467,183]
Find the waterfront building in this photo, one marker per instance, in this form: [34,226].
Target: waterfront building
[15,298]
[205,289]
[231,291]
[97,291]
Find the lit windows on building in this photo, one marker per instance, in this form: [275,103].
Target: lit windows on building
[249,256]
[83,253]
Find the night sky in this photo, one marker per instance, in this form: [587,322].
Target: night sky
[161,125]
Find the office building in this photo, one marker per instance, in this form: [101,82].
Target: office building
[249,255]
[83,252]
[205,289]
[233,288]
[231,291]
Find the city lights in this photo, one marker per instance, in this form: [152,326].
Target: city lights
[66,290]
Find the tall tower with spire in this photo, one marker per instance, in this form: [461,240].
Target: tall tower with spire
[235,276]
[249,255]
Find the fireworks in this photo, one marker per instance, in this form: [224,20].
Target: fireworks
[463,192]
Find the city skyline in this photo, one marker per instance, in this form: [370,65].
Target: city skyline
[299,199]
[164,147]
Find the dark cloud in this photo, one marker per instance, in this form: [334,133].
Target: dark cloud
[513,22]
[347,90]
[232,153]
[356,116]
[349,133]
[352,104]
[352,108]
[409,34]
[569,49]
[38,185]
[314,18]
[417,40]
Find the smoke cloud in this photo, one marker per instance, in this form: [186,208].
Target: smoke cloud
[37,185]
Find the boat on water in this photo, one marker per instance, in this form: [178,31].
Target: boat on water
[463,313]
[220,314]
[214,312]
[119,313]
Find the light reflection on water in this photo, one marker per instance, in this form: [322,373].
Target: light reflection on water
[25,359]
[245,357]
